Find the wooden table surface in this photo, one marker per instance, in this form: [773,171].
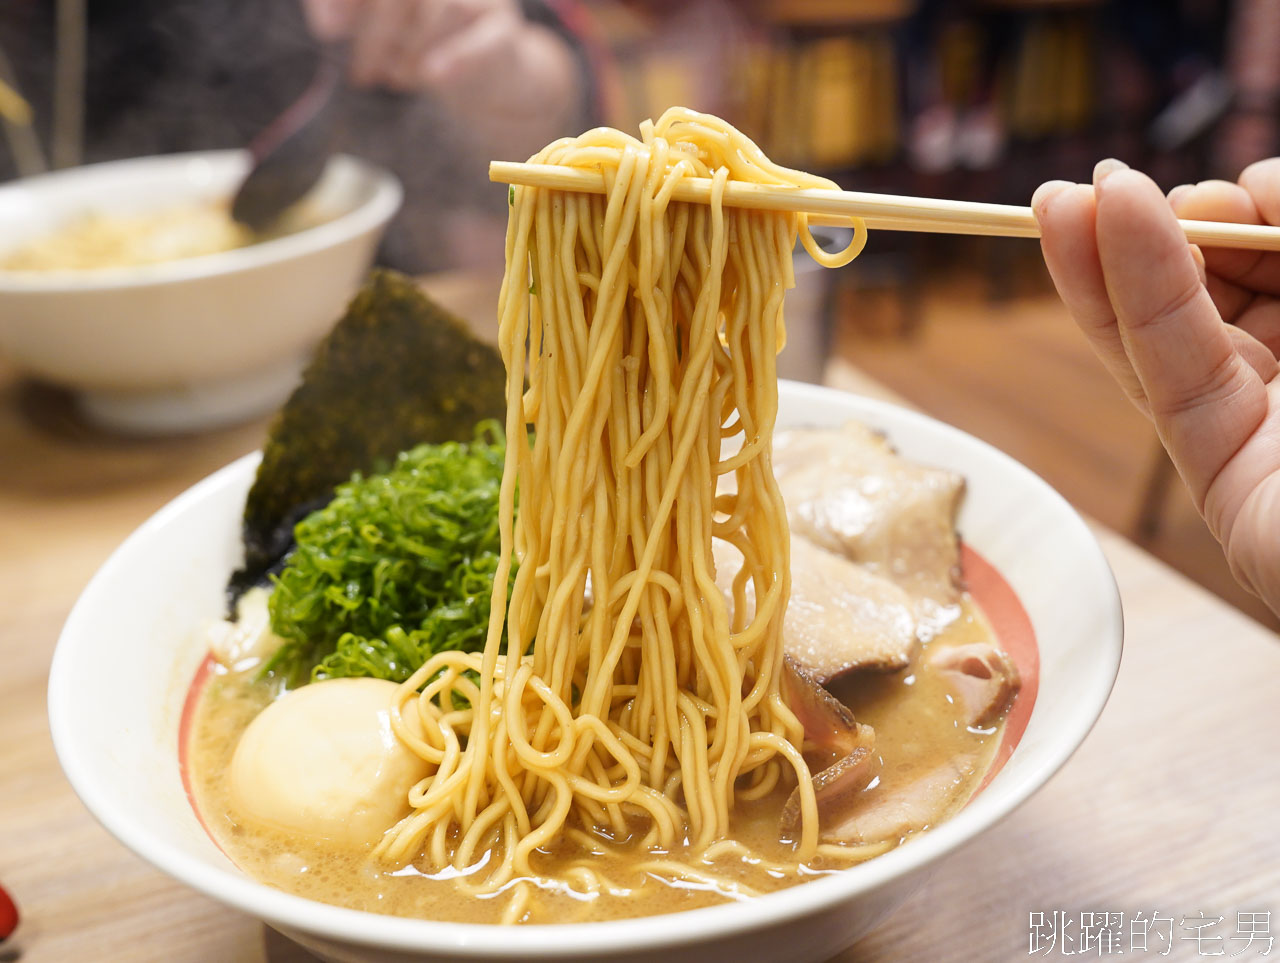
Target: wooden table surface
[1167,810]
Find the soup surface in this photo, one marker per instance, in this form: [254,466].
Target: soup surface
[921,739]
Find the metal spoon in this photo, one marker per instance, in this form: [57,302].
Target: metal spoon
[290,153]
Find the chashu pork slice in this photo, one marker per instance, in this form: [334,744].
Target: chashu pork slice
[841,617]
[840,751]
[848,490]
[921,800]
[982,680]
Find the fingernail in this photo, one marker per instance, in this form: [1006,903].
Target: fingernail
[1179,194]
[1045,193]
[1104,168]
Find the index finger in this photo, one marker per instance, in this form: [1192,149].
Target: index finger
[1204,398]
[374,52]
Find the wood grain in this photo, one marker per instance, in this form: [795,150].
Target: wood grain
[1168,806]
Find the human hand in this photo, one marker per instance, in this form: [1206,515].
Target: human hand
[1191,336]
[415,45]
[514,84]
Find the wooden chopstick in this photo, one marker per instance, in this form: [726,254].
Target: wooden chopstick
[879,211]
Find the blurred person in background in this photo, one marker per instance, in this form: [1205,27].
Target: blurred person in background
[436,88]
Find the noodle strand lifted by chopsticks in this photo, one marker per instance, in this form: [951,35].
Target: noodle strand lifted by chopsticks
[640,339]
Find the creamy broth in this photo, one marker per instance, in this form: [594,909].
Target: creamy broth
[918,728]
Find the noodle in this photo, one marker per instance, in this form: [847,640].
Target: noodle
[628,700]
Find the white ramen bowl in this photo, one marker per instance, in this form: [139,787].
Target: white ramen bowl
[189,343]
[133,643]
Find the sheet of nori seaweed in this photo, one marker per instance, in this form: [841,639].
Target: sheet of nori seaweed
[396,371]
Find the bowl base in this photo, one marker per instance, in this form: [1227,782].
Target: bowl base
[195,407]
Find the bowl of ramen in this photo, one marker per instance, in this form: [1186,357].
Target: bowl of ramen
[129,283]
[131,678]
[745,656]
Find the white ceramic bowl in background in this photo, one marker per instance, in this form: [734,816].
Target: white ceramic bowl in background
[133,643]
[189,343]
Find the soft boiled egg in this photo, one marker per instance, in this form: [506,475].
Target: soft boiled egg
[324,761]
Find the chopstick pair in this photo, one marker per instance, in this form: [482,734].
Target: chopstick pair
[879,211]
